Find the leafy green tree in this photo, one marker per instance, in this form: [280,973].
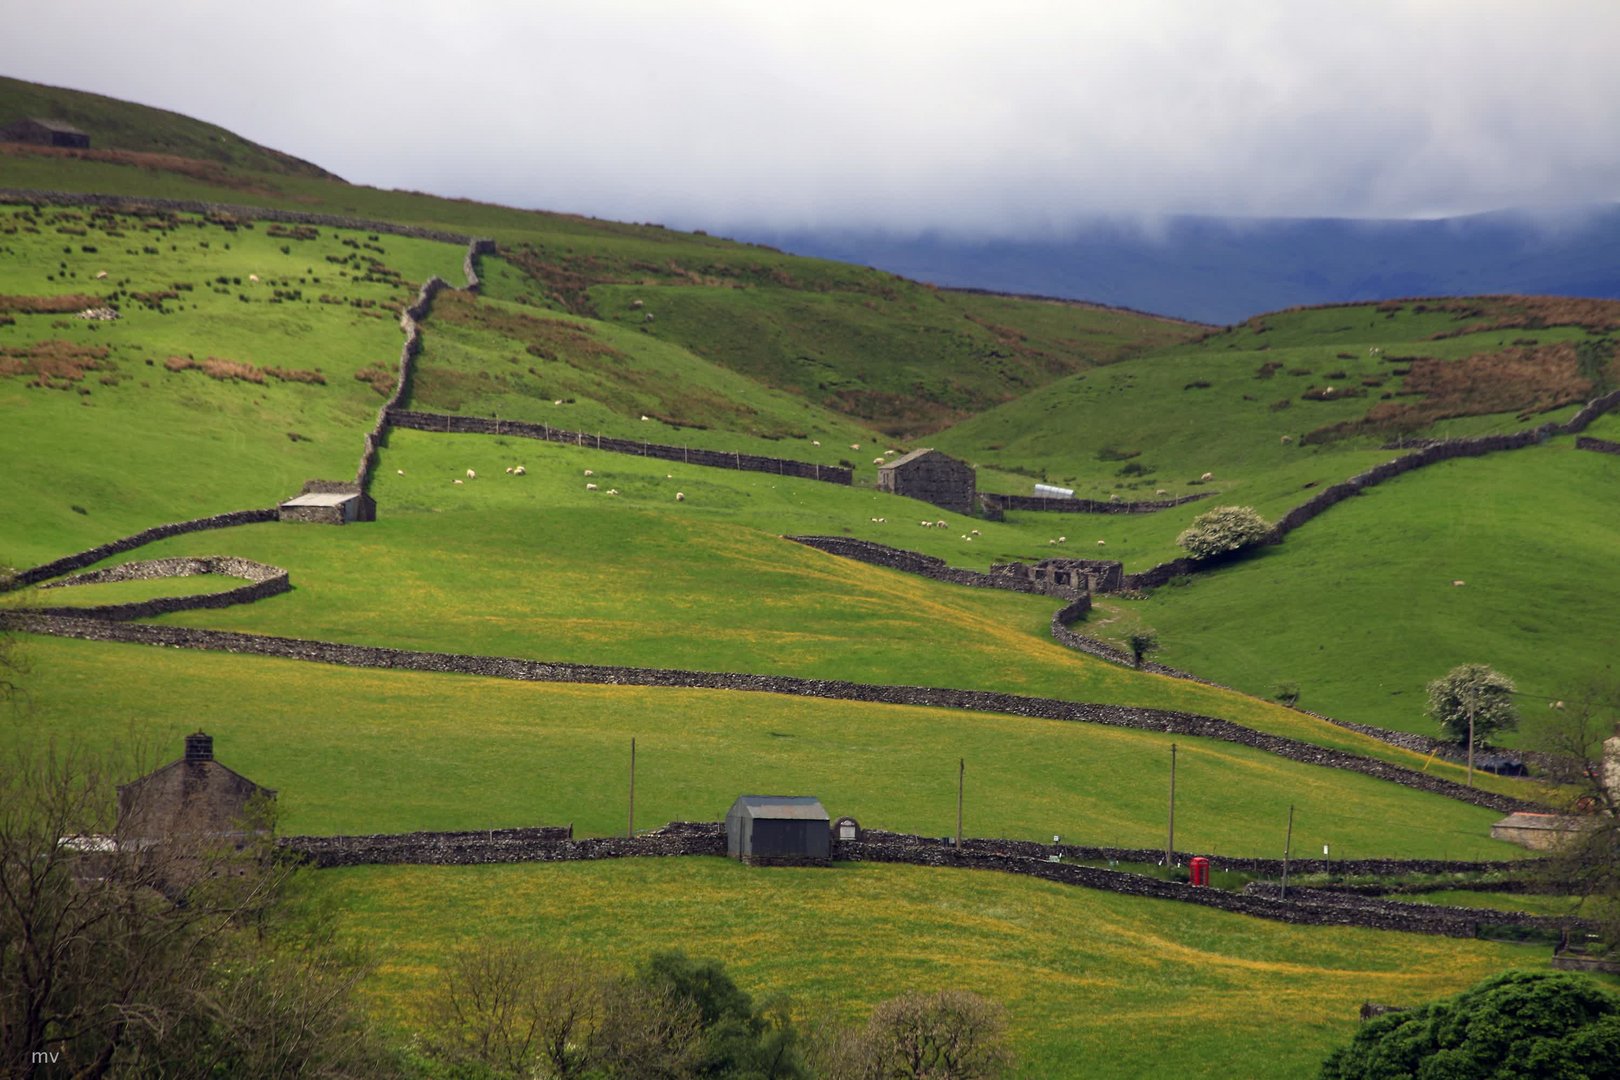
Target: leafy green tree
[1473,699]
[1514,1025]
[736,1040]
[1222,530]
[1141,643]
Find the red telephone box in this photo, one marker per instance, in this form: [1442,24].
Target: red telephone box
[1199,867]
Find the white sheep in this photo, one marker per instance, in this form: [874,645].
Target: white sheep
[926,524]
[1459,583]
[1207,476]
[1286,439]
[509,470]
[557,402]
[612,491]
[1063,539]
[636,303]
[877,461]
[1161,491]
[1113,498]
[590,472]
[891,453]
[471,475]
[520,471]
[253,278]
[815,442]
[644,416]
[455,481]
[588,487]
[975,532]
[101,275]
[400,471]
[854,446]
[941,525]
[1102,543]
[680,496]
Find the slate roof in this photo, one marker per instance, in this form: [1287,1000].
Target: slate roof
[316,498]
[56,125]
[905,459]
[781,807]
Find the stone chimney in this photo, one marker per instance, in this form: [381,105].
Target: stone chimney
[199,747]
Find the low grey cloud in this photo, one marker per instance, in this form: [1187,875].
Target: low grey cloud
[1021,119]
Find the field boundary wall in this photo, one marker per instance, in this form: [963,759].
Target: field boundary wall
[371,656]
[79,560]
[262,580]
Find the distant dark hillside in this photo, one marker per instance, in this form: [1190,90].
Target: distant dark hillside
[1223,271]
[123,125]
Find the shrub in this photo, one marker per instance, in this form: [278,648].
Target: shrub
[1224,529]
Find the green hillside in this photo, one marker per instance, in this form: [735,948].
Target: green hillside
[246,358]
[115,125]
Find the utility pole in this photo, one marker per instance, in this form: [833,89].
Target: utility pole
[1288,845]
[961,776]
[1170,841]
[1470,741]
[632,831]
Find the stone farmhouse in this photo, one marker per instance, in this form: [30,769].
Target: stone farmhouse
[194,796]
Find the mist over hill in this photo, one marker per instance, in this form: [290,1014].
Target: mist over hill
[1223,270]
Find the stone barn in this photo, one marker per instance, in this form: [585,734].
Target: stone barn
[778,830]
[932,477]
[45,133]
[329,502]
[193,796]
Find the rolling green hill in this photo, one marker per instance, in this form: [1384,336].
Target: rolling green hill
[247,358]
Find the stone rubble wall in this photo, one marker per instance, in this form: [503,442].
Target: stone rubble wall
[1602,446]
[720,459]
[1000,504]
[365,656]
[541,844]
[69,563]
[929,566]
[262,581]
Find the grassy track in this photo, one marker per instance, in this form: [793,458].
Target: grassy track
[1097,985]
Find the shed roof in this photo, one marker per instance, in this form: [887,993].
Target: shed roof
[906,459]
[781,807]
[55,125]
[317,498]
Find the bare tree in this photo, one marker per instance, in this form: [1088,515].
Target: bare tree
[647,1032]
[1585,863]
[514,1007]
[948,1035]
[118,956]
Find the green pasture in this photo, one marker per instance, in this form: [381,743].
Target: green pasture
[602,379]
[132,443]
[1095,984]
[1358,607]
[363,751]
[536,566]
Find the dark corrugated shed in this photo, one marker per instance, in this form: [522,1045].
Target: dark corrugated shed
[779,830]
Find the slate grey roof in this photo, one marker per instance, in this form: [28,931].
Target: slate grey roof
[781,807]
[56,125]
[907,458]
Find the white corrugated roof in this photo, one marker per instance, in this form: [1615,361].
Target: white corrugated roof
[335,498]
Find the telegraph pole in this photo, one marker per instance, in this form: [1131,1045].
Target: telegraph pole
[1288,845]
[961,776]
[632,831]
[1170,841]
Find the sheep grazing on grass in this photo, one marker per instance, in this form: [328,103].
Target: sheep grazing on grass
[941,525]
[644,416]
[1286,439]
[926,524]
[612,491]
[1207,476]
[1102,543]
[877,461]
[680,496]
[590,487]
[1161,491]
[557,402]
[974,532]
[590,472]
[815,442]
[637,303]
[471,475]
[253,278]
[1459,583]
[400,471]
[509,470]
[520,471]
[647,317]
[1063,539]
[455,481]
[101,275]
[854,446]
[1113,498]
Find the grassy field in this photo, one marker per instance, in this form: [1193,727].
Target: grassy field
[116,426]
[1358,607]
[1096,985]
[378,751]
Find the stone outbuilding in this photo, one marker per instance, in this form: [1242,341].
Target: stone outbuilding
[45,133]
[778,830]
[932,477]
[1078,575]
[329,502]
[194,796]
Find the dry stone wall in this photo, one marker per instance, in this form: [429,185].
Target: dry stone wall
[69,563]
[262,581]
[542,844]
[1602,446]
[719,459]
[929,566]
[367,656]
[996,505]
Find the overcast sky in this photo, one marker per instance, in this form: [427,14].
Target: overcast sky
[1006,118]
